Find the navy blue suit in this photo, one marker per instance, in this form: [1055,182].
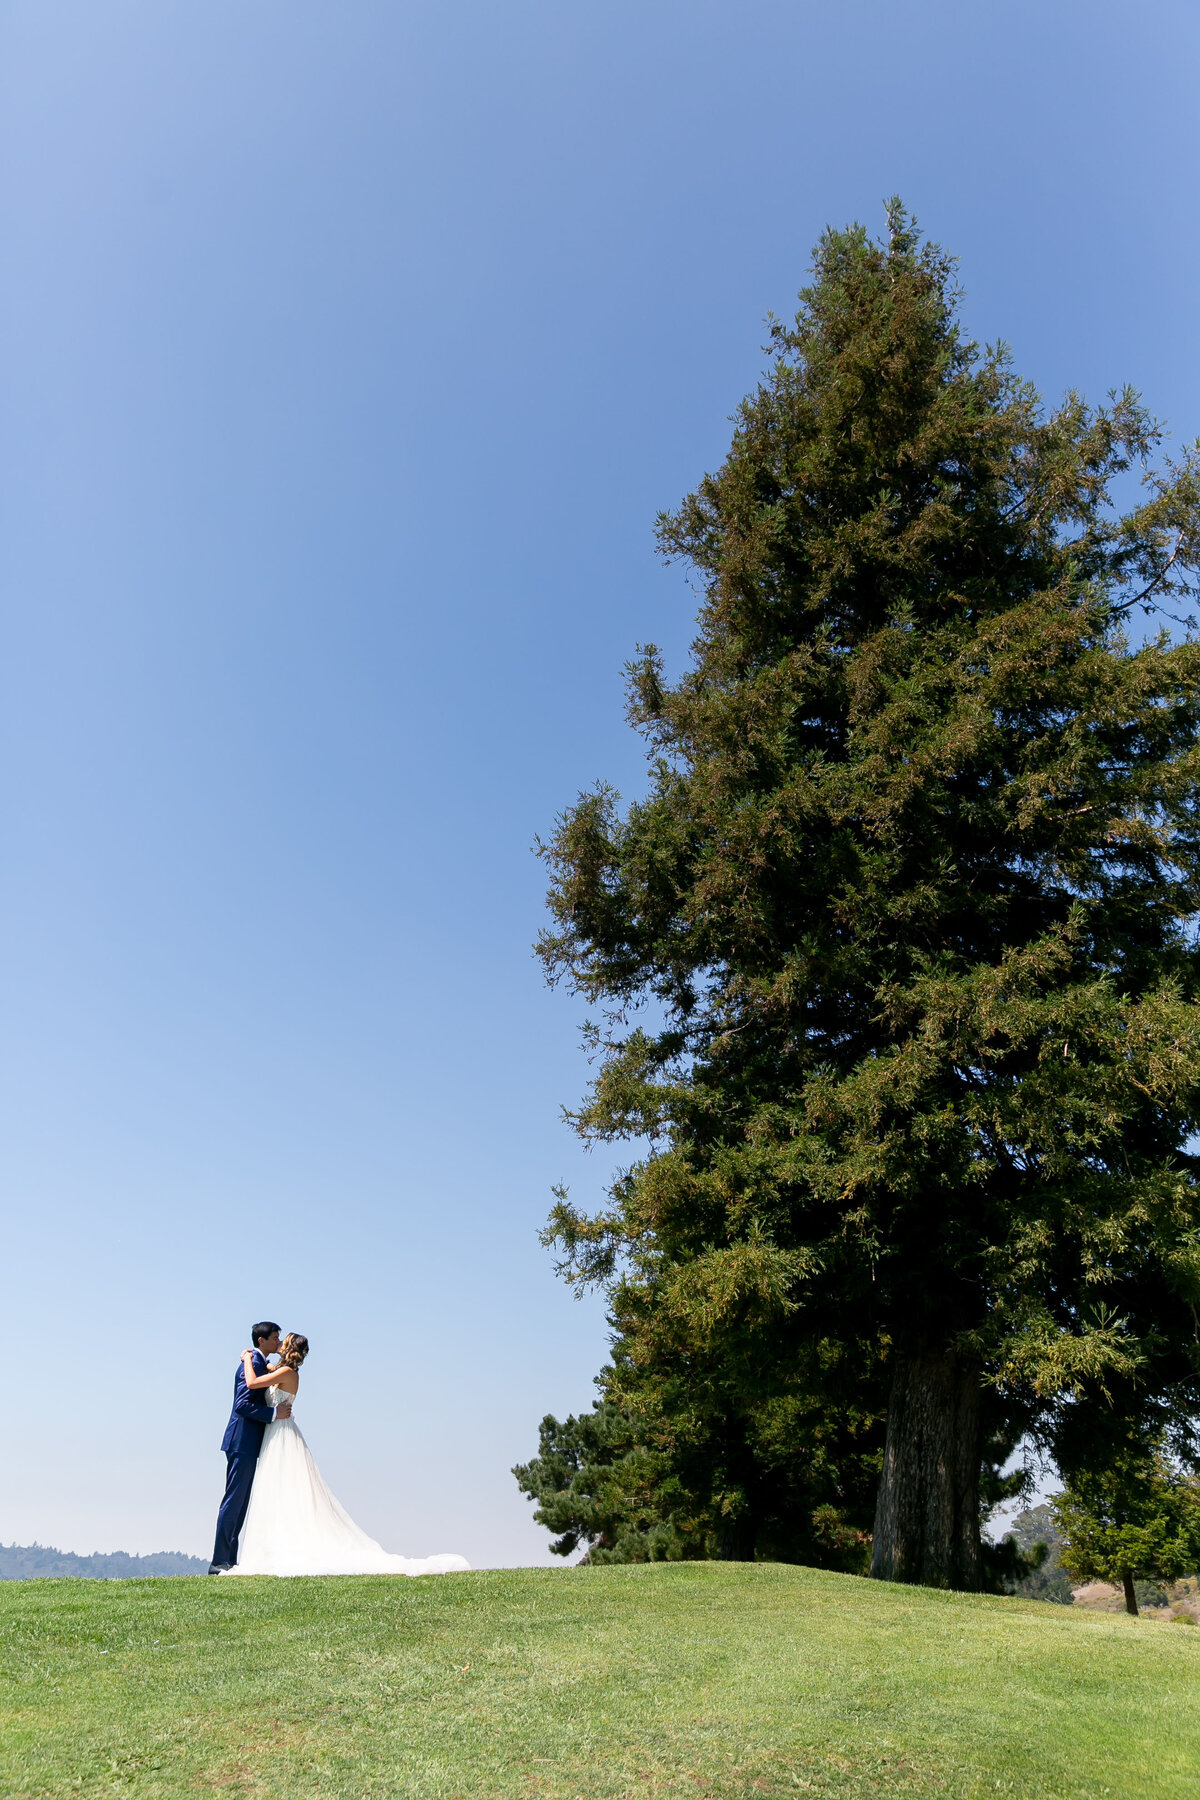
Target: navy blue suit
[241,1444]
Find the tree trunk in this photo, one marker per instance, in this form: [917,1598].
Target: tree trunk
[1130,1597]
[736,1542]
[927,1514]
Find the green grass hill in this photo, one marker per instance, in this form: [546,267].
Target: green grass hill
[664,1680]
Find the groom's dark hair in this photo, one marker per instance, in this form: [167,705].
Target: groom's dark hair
[263,1329]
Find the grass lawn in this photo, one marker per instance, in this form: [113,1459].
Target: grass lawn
[673,1679]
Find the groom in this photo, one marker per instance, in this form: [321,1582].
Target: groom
[241,1444]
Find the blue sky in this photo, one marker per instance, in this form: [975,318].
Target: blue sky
[347,354]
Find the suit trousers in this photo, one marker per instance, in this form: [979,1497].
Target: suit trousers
[239,1479]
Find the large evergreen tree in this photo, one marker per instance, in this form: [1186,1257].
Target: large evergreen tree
[912,899]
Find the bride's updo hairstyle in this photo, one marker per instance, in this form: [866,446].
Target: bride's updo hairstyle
[293,1350]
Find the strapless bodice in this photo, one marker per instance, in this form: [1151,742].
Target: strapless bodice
[277,1396]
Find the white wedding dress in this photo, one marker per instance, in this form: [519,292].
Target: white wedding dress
[295,1526]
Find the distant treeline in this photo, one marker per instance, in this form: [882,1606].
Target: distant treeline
[33,1562]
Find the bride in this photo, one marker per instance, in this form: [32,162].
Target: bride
[294,1525]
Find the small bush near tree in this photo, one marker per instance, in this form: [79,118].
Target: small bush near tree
[648,1480]
[602,1491]
[1137,1517]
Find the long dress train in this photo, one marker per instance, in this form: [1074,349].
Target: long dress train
[295,1526]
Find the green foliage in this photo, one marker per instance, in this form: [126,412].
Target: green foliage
[664,1482]
[911,899]
[597,1486]
[676,1681]
[1137,1516]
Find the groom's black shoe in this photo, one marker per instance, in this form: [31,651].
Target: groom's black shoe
[220,1569]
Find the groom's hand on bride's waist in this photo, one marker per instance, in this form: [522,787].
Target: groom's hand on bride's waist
[283,1412]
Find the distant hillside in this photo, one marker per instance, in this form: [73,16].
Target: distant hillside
[1051,1581]
[33,1562]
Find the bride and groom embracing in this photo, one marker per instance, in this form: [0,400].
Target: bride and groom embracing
[276,1502]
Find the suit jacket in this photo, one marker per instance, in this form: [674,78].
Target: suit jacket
[249,1418]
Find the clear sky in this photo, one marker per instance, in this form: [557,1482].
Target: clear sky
[347,353]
